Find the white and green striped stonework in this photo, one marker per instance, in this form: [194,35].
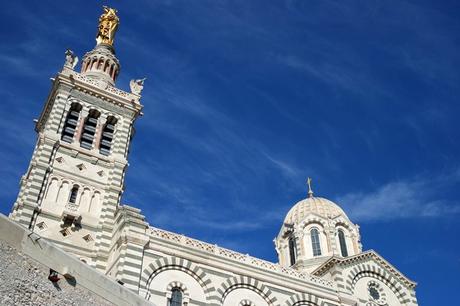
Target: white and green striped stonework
[70,195]
[43,203]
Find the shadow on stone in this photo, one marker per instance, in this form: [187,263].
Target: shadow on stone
[70,280]
[56,285]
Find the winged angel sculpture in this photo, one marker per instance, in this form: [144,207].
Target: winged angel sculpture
[137,86]
[71,60]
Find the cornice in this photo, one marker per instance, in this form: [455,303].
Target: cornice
[101,90]
[370,254]
[185,242]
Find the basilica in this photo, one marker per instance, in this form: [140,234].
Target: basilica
[70,195]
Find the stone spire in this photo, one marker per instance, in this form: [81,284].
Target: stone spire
[101,62]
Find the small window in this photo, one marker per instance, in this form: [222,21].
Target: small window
[89,129]
[343,243]
[88,238]
[292,250]
[176,297]
[73,194]
[315,242]
[65,232]
[41,226]
[70,124]
[107,136]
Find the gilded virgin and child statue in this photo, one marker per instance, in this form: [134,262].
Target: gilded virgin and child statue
[108,24]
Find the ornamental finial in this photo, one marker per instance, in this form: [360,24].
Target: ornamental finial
[310,192]
[108,25]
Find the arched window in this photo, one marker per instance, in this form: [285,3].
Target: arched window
[107,136]
[315,243]
[292,250]
[111,71]
[73,194]
[70,124]
[343,243]
[246,302]
[176,297]
[89,129]
[106,66]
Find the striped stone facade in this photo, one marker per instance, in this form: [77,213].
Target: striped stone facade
[217,276]
[85,224]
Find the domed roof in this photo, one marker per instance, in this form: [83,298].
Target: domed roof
[313,205]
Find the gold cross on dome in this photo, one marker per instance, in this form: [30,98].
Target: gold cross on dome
[310,192]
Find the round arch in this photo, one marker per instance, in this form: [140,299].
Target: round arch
[305,299]
[175,263]
[246,302]
[181,287]
[245,282]
[342,222]
[375,272]
[312,219]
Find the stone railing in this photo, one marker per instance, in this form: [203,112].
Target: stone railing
[103,85]
[72,207]
[242,258]
[119,92]
[88,80]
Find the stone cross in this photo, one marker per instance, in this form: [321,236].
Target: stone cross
[310,192]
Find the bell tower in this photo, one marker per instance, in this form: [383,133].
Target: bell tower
[72,188]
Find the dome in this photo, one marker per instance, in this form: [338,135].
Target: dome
[313,205]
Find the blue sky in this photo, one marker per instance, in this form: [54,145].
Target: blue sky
[245,99]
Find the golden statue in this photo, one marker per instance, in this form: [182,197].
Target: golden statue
[108,24]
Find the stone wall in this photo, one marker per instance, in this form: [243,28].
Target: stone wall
[25,282]
[25,263]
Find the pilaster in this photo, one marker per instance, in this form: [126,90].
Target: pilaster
[130,233]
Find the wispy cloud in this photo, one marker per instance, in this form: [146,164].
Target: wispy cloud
[346,76]
[211,183]
[289,170]
[411,198]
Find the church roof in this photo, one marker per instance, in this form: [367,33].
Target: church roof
[313,205]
